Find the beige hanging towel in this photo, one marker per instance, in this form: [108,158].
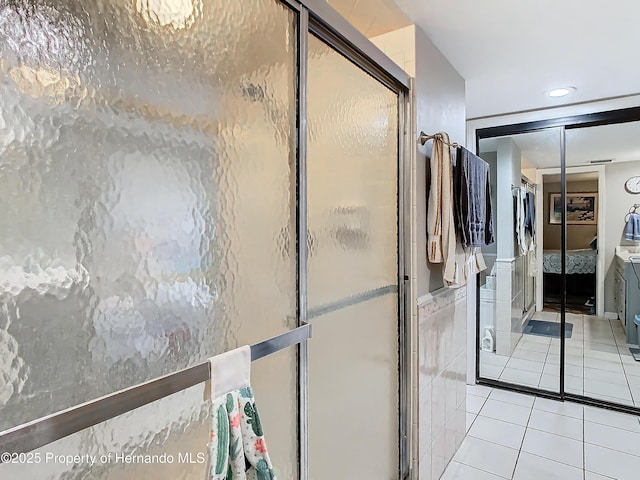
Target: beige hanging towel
[441,235]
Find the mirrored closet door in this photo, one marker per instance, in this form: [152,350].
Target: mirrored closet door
[519,340]
[603,291]
[559,305]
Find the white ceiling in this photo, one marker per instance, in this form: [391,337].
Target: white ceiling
[512,52]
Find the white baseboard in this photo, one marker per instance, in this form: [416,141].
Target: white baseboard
[611,315]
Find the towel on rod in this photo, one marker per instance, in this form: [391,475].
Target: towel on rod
[473,199]
[237,448]
[632,230]
[530,215]
[441,237]
[521,233]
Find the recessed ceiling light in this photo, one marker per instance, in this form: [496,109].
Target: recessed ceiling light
[561,92]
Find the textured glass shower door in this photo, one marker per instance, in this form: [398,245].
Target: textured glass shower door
[352,208]
[147,216]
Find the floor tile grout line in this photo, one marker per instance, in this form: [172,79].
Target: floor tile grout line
[478,396]
[613,426]
[475,468]
[521,370]
[583,376]
[475,417]
[606,477]
[625,430]
[551,459]
[584,447]
[610,449]
[480,409]
[515,467]
[483,440]
[633,400]
[530,397]
[533,397]
[558,413]
[494,443]
[554,461]
[499,420]
[557,434]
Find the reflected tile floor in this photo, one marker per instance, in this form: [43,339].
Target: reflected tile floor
[521,437]
[598,361]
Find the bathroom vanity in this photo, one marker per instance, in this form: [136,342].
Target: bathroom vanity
[627,289]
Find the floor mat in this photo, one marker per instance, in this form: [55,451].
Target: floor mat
[636,353]
[547,329]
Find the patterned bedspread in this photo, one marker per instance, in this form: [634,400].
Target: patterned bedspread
[578,261]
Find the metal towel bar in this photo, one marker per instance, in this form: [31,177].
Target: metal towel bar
[45,430]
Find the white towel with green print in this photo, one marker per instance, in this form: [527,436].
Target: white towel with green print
[237,449]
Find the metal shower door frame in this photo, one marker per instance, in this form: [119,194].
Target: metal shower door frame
[320,19]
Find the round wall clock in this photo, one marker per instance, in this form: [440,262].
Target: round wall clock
[633,184]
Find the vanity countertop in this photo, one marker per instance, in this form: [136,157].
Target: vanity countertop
[623,252]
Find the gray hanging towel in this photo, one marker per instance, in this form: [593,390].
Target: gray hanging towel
[530,218]
[472,199]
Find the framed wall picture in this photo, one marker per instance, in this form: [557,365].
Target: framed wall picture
[582,208]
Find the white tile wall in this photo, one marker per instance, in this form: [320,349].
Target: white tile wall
[441,379]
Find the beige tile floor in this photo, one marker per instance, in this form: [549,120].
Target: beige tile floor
[520,437]
[598,361]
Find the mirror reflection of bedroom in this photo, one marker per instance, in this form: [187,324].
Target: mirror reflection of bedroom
[582,241]
[520,293]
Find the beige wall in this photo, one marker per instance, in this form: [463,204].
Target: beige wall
[400,47]
[578,236]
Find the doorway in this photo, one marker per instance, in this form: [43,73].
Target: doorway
[585,293]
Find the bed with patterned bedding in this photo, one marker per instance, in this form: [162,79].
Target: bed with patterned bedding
[578,261]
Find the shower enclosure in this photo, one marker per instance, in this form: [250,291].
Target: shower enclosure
[181,178]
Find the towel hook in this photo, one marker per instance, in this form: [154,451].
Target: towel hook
[424,138]
[633,210]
